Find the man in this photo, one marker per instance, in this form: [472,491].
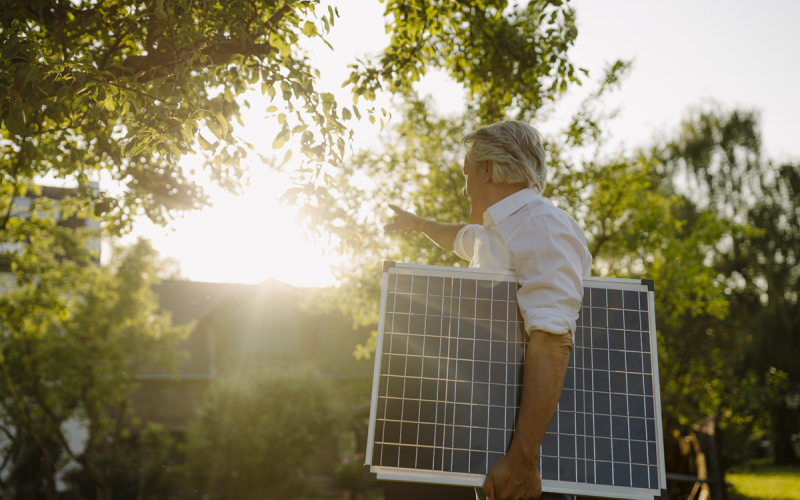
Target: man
[515,228]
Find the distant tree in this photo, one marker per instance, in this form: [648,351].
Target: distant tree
[253,432]
[74,336]
[720,153]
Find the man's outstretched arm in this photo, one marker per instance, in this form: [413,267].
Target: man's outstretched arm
[516,476]
[438,232]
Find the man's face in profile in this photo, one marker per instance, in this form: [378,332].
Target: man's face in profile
[475,190]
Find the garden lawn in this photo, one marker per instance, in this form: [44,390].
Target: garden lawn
[765,482]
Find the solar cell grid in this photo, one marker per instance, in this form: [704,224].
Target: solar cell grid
[450,380]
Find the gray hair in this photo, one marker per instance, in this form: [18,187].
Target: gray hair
[514,148]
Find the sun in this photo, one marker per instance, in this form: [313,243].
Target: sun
[244,239]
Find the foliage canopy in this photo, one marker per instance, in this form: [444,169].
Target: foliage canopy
[128,87]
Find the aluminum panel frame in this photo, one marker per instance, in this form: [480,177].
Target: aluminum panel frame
[476,480]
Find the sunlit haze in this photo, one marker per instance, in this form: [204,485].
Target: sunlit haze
[686,53]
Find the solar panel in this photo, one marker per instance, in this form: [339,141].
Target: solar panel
[448,382]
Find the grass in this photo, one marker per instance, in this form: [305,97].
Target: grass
[762,481]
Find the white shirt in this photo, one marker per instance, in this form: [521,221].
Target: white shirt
[527,235]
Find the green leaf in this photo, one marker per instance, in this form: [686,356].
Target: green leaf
[272,109]
[346,114]
[11,48]
[222,123]
[160,10]
[188,132]
[205,144]
[96,110]
[78,102]
[62,92]
[80,77]
[309,29]
[109,104]
[15,121]
[174,99]
[286,157]
[215,129]
[138,145]
[280,139]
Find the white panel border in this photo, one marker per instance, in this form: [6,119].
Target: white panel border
[459,479]
[376,375]
[662,469]
[453,272]
[499,275]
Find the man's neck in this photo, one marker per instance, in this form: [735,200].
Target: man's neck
[502,190]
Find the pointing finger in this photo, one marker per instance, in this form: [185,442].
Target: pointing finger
[397,209]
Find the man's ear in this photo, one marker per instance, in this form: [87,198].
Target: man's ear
[487,175]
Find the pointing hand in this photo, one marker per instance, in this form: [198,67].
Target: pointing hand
[404,221]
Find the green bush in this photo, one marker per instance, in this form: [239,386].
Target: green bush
[253,432]
[349,474]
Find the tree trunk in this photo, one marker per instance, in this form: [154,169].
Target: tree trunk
[102,492]
[23,455]
[50,480]
[5,491]
[784,427]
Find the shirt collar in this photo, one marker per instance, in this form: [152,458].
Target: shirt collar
[508,205]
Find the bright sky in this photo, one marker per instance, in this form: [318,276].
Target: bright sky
[686,53]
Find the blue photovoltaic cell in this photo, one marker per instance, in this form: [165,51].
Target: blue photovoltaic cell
[450,383]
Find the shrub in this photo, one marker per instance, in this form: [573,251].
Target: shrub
[253,432]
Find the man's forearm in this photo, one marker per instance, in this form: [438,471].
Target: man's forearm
[546,363]
[440,233]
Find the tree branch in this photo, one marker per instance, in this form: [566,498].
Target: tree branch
[110,51]
[172,33]
[124,87]
[25,454]
[225,50]
[14,175]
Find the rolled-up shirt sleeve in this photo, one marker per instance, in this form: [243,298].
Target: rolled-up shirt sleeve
[548,257]
[464,244]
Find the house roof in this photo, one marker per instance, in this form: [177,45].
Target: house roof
[236,324]
[188,301]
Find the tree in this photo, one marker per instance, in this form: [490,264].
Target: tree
[74,336]
[719,151]
[129,87]
[254,431]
